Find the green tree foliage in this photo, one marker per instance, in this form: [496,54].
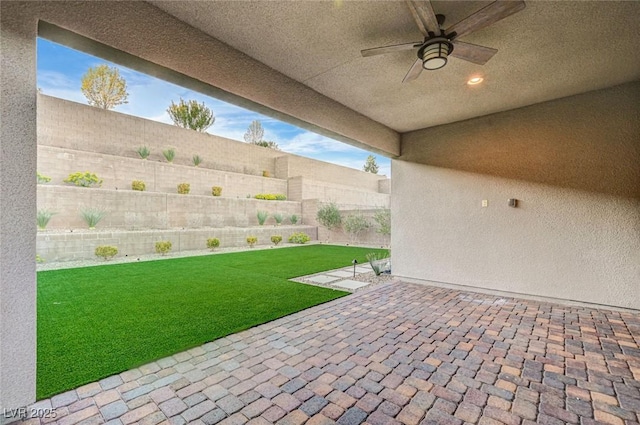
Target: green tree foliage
[370,165]
[191,114]
[383,218]
[255,136]
[329,216]
[104,87]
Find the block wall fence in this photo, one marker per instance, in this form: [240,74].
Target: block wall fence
[74,137]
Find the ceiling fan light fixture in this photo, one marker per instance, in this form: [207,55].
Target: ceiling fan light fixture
[434,53]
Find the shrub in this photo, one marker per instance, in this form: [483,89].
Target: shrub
[197,160]
[213,243]
[93,216]
[39,259]
[354,225]
[138,185]
[383,218]
[43,216]
[262,217]
[169,154]
[144,152]
[329,216]
[107,252]
[252,240]
[299,237]
[293,219]
[184,188]
[163,247]
[216,191]
[378,266]
[276,239]
[271,197]
[40,179]
[85,179]
[278,218]
[266,173]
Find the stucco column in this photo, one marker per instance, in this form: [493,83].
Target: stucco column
[18,32]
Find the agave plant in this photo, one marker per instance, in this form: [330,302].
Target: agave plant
[262,217]
[93,216]
[43,216]
[144,152]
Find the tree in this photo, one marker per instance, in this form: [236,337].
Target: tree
[104,87]
[191,114]
[354,225]
[255,134]
[383,218]
[329,216]
[370,165]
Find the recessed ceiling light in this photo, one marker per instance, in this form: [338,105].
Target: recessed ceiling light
[475,81]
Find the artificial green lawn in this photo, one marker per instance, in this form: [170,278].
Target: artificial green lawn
[97,321]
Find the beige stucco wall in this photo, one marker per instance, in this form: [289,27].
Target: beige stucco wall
[573,166]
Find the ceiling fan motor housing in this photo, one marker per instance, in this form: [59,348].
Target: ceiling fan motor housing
[434,53]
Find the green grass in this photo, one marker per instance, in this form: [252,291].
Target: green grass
[97,321]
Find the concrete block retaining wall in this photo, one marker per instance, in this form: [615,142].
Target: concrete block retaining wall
[77,245]
[134,210]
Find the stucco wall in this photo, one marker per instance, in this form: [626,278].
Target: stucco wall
[573,166]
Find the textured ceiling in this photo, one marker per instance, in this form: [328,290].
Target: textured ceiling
[547,51]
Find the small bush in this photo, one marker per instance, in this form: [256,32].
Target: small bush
[252,240]
[197,160]
[138,185]
[184,188]
[213,243]
[85,179]
[383,218]
[299,237]
[271,197]
[169,154]
[276,239]
[92,216]
[40,179]
[329,216]
[144,152]
[107,252]
[43,216]
[278,218]
[262,217]
[163,247]
[39,259]
[293,219]
[266,173]
[376,264]
[354,225]
[216,191]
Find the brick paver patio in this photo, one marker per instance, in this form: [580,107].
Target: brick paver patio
[399,353]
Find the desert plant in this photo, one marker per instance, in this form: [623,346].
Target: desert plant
[278,218]
[377,265]
[85,179]
[43,216]
[191,114]
[169,154]
[383,218]
[197,160]
[266,173]
[293,219]
[271,197]
[39,259]
[276,239]
[41,179]
[354,225]
[184,188]
[93,216]
[163,247]
[138,185]
[216,191]
[252,240]
[299,237]
[105,251]
[144,152]
[213,243]
[329,216]
[262,217]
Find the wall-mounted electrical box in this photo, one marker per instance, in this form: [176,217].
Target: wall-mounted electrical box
[513,203]
[485,203]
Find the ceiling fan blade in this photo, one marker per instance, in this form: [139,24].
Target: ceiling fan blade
[425,11]
[486,16]
[472,52]
[414,72]
[414,13]
[389,49]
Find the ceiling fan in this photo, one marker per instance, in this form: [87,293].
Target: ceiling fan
[439,44]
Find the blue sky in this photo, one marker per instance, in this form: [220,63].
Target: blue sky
[60,70]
